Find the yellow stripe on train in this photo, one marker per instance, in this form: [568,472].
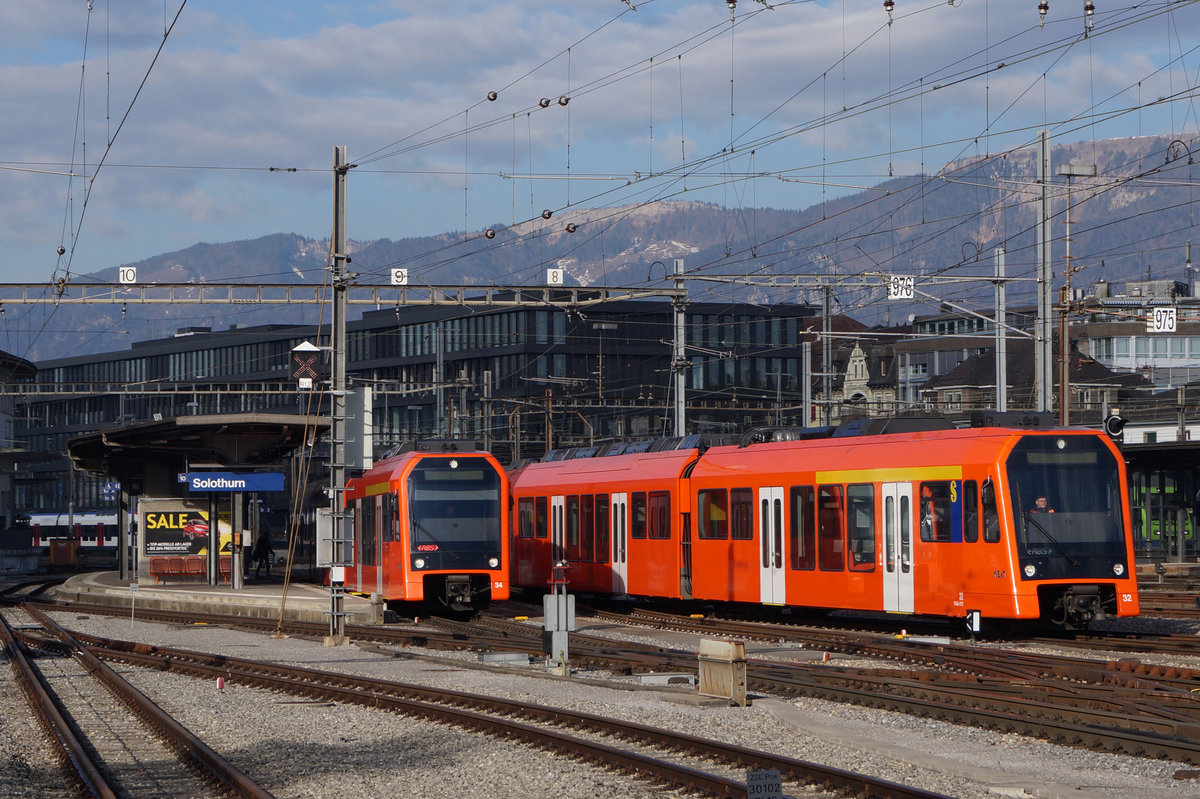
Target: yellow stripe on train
[891,475]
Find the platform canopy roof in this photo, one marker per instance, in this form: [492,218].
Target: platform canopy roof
[228,440]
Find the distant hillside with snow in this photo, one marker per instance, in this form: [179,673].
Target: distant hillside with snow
[1133,221]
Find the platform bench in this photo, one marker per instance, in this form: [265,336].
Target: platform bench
[177,566]
[166,567]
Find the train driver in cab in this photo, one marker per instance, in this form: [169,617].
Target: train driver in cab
[1041,505]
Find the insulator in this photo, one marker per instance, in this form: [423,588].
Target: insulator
[544,102]
[492,96]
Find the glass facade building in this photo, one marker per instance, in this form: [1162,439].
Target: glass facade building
[517,379]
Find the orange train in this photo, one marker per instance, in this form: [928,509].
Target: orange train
[938,522]
[430,524]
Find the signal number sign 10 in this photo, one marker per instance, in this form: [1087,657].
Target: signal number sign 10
[1162,320]
[900,287]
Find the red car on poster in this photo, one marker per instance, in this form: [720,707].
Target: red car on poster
[196,527]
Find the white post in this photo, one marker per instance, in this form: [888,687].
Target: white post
[1001,336]
[1043,349]
[678,364]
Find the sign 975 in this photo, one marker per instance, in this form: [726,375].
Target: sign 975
[1162,319]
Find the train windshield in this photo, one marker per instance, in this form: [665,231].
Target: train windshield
[1066,493]
[454,505]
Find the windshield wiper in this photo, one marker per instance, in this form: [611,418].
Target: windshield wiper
[417,525]
[1029,518]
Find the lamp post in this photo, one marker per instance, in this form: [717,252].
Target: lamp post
[1064,342]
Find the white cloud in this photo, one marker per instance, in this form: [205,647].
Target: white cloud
[243,87]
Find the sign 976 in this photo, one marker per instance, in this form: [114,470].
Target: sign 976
[900,287]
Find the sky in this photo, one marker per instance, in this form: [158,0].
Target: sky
[136,128]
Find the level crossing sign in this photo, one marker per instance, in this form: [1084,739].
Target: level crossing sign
[305,355]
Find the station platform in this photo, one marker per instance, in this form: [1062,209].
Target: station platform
[259,598]
[1148,572]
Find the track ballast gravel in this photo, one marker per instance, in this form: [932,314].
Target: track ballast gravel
[300,748]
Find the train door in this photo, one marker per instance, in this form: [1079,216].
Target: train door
[618,519]
[897,547]
[770,542]
[558,547]
[389,551]
[366,544]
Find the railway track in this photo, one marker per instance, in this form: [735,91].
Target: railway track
[661,755]
[1179,604]
[112,740]
[1121,705]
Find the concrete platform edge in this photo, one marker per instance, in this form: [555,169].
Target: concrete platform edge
[303,603]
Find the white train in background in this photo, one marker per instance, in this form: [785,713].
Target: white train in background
[95,535]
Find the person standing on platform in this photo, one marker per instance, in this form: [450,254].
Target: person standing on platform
[262,554]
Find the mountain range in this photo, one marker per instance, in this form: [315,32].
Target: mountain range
[1132,222]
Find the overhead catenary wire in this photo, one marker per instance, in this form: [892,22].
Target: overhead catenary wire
[672,186]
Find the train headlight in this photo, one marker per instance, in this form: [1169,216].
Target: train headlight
[493,563]
[1030,570]
[1119,569]
[419,563]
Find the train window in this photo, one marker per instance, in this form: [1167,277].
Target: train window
[743,502]
[713,517]
[764,526]
[991,517]
[366,533]
[830,512]
[970,511]
[905,535]
[541,518]
[660,514]
[602,521]
[587,527]
[390,517]
[860,526]
[525,517]
[777,513]
[770,529]
[638,508]
[935,511]
[889,534]
[572,528]
[802,529]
